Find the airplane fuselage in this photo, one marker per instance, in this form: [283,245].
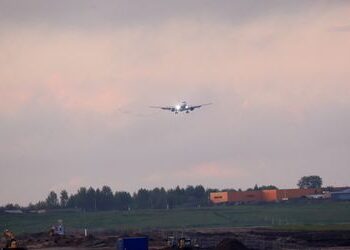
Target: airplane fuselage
[182,107]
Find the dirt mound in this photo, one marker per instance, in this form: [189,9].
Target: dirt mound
[231,244]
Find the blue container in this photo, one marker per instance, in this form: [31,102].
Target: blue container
[133,243]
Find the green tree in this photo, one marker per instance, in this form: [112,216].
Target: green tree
[158,197]
[122,200]
[107,198]
[312,181]
[142,199]
[91,203]
[81,200]
[64,198]
[200,194]
[11,206]
[268,187]
[40,205]
[52,200]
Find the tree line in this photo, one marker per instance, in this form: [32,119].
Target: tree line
[90,199]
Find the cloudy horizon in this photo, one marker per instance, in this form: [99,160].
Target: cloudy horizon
[77,79]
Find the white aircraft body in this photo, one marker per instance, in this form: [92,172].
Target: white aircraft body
[182,107]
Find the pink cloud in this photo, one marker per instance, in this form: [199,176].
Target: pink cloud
[198,174]
[212,170]
[287,65]
[99,98]
[12,100]
[69,97]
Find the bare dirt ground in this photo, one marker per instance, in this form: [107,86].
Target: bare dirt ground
[220,239]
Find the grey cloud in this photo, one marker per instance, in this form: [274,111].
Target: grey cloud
[111,14]
[48,149]
[48,144]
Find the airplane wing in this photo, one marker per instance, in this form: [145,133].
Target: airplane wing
[199,106]
[164,108]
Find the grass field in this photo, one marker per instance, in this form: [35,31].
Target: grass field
[313,216]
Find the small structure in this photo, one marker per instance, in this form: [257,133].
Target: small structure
[133,243]
[14,211]
[341,195]
[317,196]
[40,211]
[57,229]
[182,243]
[273,195]
[10,238]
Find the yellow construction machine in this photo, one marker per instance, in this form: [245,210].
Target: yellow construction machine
[10,239]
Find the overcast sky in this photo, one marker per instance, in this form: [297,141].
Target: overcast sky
[77,77]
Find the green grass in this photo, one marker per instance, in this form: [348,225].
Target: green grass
[317,216]
[314,227]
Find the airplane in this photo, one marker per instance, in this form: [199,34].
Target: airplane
[181,107]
